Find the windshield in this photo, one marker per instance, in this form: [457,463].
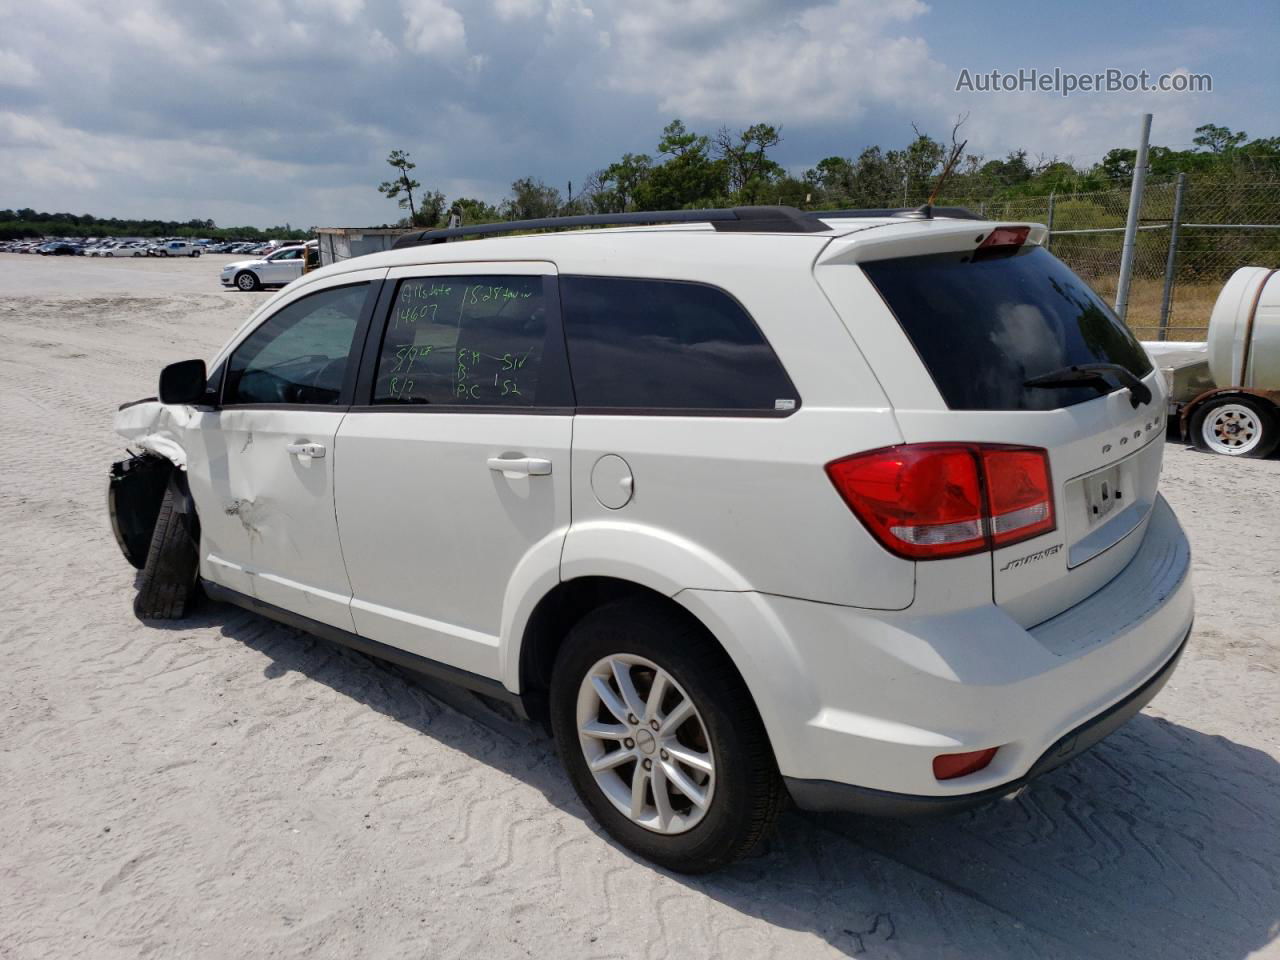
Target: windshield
[984,325]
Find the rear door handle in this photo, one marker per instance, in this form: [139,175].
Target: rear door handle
[313,450]
[520,466]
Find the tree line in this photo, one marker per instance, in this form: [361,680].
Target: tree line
[19,224]
[690,170]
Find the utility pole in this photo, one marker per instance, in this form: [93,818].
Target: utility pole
[1131,224]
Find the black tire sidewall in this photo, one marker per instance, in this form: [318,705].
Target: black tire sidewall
[1266,419]
[728,715]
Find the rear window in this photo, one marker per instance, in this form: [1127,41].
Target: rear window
[639,344]
[984,325]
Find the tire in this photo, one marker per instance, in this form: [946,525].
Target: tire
[248,280]
[167,587]
[1236,426]
[742,792]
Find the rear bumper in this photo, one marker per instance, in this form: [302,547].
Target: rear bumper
[864,699]
[845,797]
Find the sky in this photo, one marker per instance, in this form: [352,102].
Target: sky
[273,111]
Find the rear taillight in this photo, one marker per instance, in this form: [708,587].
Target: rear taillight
[927,501]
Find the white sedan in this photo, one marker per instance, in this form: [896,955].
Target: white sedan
[273,270]
[119,250]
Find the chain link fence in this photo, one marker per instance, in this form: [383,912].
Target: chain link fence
[1187,246]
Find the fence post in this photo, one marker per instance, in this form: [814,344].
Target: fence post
[1131,224]
[1048,237]
[1171,264]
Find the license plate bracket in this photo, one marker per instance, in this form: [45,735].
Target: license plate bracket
[1102,493]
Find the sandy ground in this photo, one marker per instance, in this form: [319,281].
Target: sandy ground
[226,787]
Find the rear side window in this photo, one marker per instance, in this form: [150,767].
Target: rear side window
[984,325]
[464,341]
[668,345]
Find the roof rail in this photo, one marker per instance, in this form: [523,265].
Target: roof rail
[909,213]
[753,219]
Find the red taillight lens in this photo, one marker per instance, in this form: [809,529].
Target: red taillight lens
[948,766]
[928,501]
[1019,493]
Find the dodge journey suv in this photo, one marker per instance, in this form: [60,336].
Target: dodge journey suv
[858,509]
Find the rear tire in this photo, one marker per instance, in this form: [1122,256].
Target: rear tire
[733,766]
[167,586]
[1236,426]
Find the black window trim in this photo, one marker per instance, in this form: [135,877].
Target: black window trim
[711,412]
[358,341]
[553,373]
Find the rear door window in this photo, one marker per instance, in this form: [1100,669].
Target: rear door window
[985,323]
[638,344]
[465,341]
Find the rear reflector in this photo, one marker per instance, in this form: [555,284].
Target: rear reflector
[948,766]
[928,501]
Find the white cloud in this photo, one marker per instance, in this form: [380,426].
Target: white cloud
[16,70]
[517,9]
[822,63]
[434,27]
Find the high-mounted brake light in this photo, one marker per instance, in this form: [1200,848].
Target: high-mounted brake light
[1005,237]
[928,501]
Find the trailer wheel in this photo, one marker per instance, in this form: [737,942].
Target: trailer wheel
[1236,427]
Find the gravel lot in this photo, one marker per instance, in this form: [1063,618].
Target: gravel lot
[226,787]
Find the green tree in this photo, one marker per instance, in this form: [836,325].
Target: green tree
[615,186]
[475,211]
[430,210]
[1217,139]
[531,199]
[748,169]
[401,188]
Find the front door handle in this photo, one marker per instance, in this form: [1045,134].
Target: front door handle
[520,466]
[313,450]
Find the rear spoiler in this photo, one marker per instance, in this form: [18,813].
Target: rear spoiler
[912,238]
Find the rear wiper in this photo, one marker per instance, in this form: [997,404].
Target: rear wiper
[1094,375]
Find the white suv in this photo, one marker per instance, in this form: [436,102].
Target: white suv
[859,509]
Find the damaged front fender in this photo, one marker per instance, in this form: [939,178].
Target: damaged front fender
[157,428]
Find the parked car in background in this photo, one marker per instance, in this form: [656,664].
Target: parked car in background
[274,270]
[60,248]
[178,248]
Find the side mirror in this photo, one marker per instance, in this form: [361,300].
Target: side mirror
[183,382]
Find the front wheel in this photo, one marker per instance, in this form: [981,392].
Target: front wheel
[168,583]
[661,739]
[1236,426]
[247,280]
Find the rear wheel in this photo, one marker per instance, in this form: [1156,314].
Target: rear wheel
[661,739]
[247,280]
[167,585]
[1236,426]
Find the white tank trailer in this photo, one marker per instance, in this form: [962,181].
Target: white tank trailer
[1224,393]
